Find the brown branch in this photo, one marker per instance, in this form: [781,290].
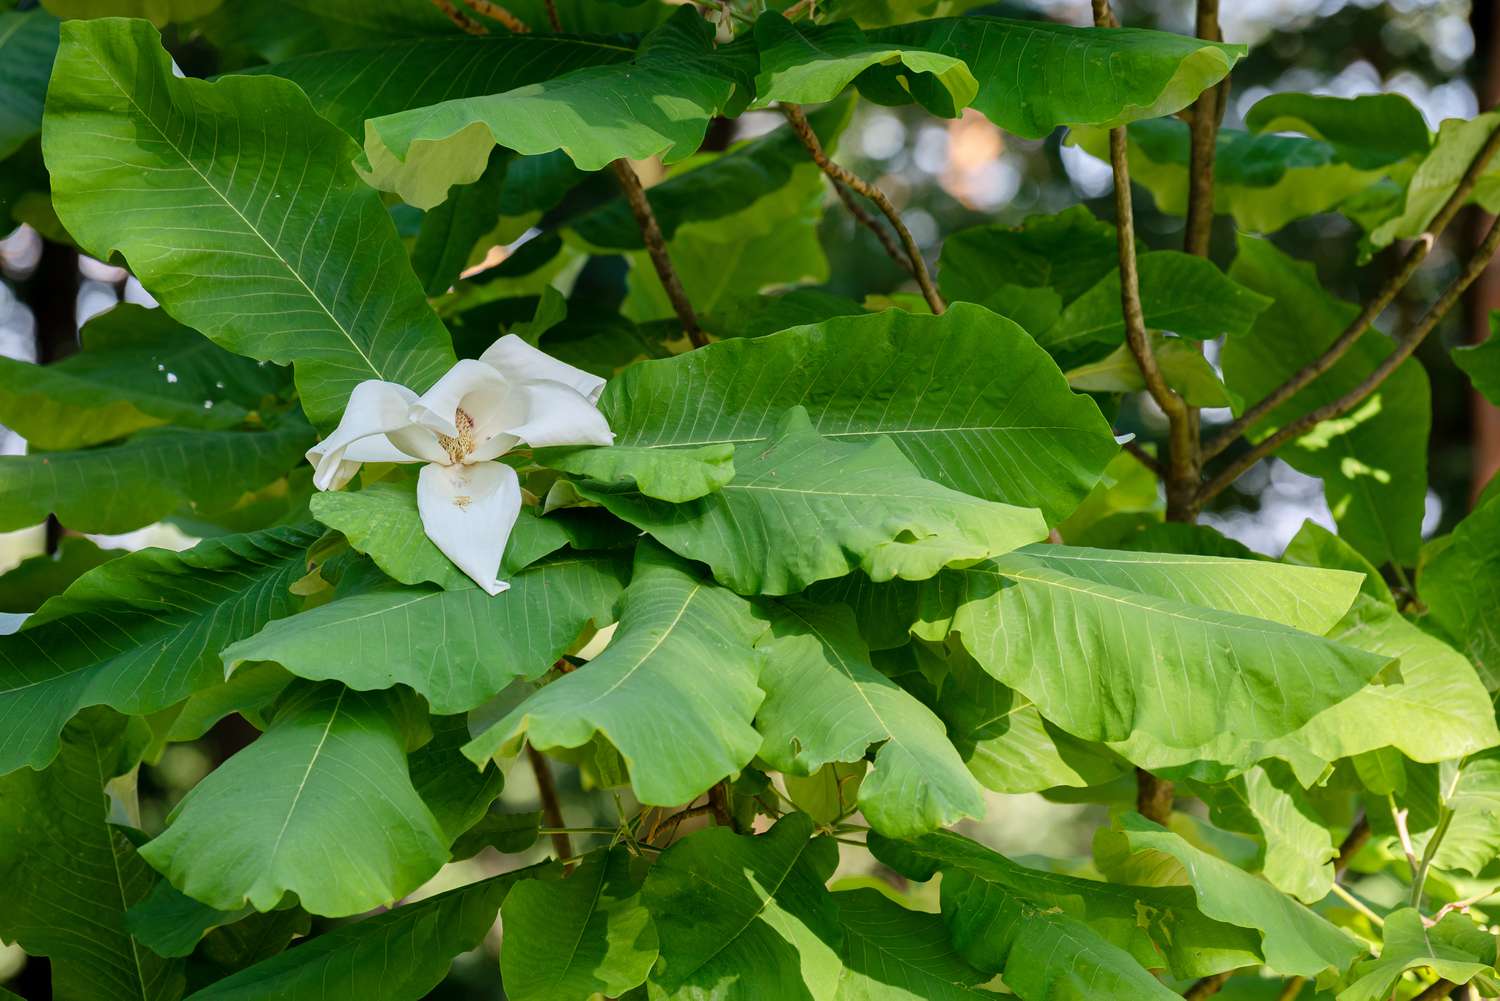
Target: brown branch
[1357,838]
[865,219]
[656,246]
[1145,458]
[718,804]
[1404,349]
[1153,797]
[546,788]
[1204,130]
[495,12]
[842,175]
[460,18]
[1441,989]
[1207,987]
[1387,293]
[1292,989]
[552,17]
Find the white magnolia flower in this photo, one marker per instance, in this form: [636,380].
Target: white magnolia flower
[514,394]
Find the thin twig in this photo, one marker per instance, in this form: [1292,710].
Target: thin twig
[1403,833]
[1461,906]
[1144,457]
[718,804]
[656,246]
[842,175]
[1292,989]
[551,808]
[1387,293]
[668,827]
[865,219]
[1204,130]
[1207,987]
[460,18]
[552,17]
[1357,904]
[495,12]
[1357,838]
[1404,349]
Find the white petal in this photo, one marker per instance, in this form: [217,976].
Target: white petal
[520,362]
[374,408]
[472,385]
[468,512]
[557,415]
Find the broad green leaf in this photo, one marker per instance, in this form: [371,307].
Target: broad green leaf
[764,314]
[259,826]
[894,954]
[829,794]
[348,86]
[39,577]
[398,955]
[1184,294]
[157,472]
[1068,253]
[746,918]
[1145,644]
[825,702]
[1056,936]
[664,98]
[772,243]
[803,508]
[507,833]
[1455,948]
[1371,130]
[1036,75]
[1457,142]
[69,875]
[458,794]
[170,923]
[1267,802]
[810,64]
[1470,792]
[967,396]
[455,647]
[1461,588]
[712,186]
[1316,546]
[577,937]
[28,43]
[1297,942]
[160,12]
[235,205]
[1182,363]
[676,475]
[138,369]
[1263,181]
[1373,460]
[675,691]
[1481,362]
[140,633]
[382,521]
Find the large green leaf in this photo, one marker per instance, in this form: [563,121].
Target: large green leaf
[1435,178]
[675,691]
[321,805]
[1461,588]
[1469,797]
[1371,130]
[895,954]
[746,918]
[1164,646]
[140,633]
[825,702]
[1454,948]
[398,955]
[810,64]
[1182,364]
[1263,181]
[1297,942]
[39,577]
[1267,802]
[28,43]
[1481,362]
[1061,937]
[804,508]
[676,475]
[663,100]
[1373,460]
[1036,75]
[456,647]
[1067,253]
[236,206]
[574,938]
[458,794]
[69,875]
[138,369]
[968,396]
[158,472]
[349,86]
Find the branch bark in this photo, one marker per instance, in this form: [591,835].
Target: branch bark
[842,175]
[459,17]
[1207,987]
[1387,293]
[1404,349]
[656,246]
[551,807]
[498,13]
[1205,134]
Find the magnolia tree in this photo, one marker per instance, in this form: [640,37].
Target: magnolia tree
[791,577]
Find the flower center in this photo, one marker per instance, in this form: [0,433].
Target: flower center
[461,446]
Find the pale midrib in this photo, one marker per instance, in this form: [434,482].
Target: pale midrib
[311,762]
[235,209]
[114,858]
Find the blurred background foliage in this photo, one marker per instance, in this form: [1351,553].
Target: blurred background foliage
[944,176]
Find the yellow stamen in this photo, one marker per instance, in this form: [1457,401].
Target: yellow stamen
[461,446]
